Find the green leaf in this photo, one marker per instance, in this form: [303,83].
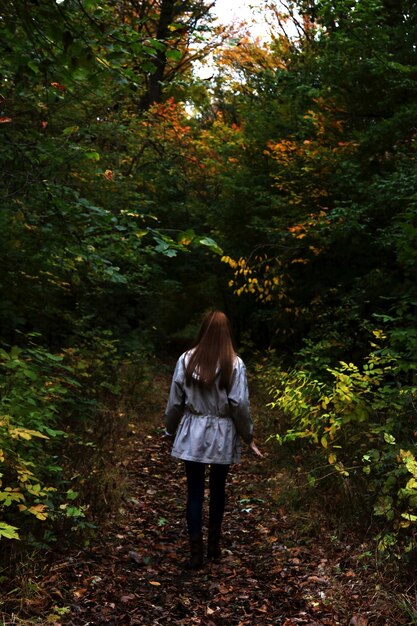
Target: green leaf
[211,244]
[80,73]
[166,250]
[72,511]
[30,374]
[92,155]
[8,497]
[149,67]
[7,531]
[175,55]
[159,45]
[70,130]
[34,66]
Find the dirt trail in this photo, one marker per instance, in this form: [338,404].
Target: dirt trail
[270,573]
[279,567]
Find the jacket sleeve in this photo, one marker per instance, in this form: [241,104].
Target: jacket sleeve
[176,401]
[239,403]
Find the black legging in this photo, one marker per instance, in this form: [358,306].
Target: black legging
[195,482]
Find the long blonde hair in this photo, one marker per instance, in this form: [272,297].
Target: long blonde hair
[213,352]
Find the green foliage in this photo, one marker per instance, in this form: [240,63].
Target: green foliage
[124,178]
[84,244]
[361,421]
[36,388]
[81,229]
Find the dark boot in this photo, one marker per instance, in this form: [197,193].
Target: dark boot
[196,552]
[214,552]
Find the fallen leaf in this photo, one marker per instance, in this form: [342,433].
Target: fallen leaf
[134,556]
[317,579]
[128,598]
[358,620]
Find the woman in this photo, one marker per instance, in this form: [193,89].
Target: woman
[208,410]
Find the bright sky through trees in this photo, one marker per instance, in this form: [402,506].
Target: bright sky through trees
[229,11]
[239,13]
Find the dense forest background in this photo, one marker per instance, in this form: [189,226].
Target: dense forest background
[136,194]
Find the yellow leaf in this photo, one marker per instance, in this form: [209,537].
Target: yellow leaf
[412,484]
[323,441]
[332,458]
[25,433]
[19,432]
[38,510]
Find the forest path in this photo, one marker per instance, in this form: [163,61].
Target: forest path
[272,572]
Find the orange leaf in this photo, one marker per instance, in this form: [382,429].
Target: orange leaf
[58,86]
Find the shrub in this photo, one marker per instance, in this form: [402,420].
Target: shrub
[361,420]
[35,387]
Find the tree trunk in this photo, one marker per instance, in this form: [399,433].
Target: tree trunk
[169,9]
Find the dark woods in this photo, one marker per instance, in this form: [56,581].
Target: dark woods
[136,195]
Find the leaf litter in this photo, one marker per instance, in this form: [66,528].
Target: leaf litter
[272,570]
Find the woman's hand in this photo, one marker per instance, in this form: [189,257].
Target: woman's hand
[255,449]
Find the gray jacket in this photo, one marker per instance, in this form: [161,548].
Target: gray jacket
[208,422]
